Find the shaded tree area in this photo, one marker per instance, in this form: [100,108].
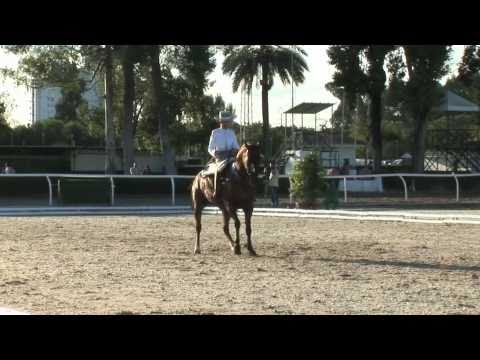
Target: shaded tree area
[149,90]
[398,109]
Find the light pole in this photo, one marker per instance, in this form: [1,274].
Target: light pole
[291,75]
[343,115]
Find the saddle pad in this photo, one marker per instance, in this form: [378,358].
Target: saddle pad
[210,170]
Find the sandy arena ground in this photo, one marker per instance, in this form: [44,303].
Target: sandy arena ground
[144,265]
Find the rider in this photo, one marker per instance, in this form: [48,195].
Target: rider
[223,144]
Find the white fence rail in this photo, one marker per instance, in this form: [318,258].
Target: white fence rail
[90,176]
[172,178]
[402,177]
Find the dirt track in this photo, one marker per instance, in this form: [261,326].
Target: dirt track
[144,265]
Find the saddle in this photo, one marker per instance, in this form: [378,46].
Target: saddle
[221,170]
[215,167]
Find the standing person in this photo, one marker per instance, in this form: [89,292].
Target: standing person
[8,169]
[147,170]
[134,170]
[273,183]
[345,169]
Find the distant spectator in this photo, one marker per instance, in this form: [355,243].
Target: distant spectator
[134,170]
[273,183]
[335,172]
[147,170]
[345,169]
[8,169]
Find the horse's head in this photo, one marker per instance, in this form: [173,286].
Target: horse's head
[248,158]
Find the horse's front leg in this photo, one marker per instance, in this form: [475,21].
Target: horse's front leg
[226,230]
[233,213]
[248,227]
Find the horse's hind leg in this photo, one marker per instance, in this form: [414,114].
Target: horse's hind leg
[234,215]
[198,222]
[226,230]
[248,227]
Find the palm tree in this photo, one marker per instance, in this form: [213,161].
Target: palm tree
[264,62]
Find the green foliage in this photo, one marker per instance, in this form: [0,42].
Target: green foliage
[53,131]
[264,62]
[3,110]
[470,64]
[330,200]
[360,71]
[5,134]
[74,133]
[68,106]
[25,135]
[46,64]
[245,63]
[307,182]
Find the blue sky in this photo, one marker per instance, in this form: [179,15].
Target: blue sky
[312,90]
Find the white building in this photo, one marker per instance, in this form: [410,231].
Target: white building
[46,98]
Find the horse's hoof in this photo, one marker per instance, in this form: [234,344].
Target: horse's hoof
[237,251]
[252,252]
[196,251]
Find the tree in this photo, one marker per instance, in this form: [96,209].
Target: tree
[149,88]
[470,64]
[178,78]
[128,59]
[159,109]
[3,109]
[264,62]
[360,70]
[425,65]
[109,93]
[61,65]
[308,180]
[67,107]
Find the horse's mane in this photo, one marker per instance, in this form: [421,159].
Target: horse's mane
[240,153]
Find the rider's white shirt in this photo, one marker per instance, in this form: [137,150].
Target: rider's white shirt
[222,140]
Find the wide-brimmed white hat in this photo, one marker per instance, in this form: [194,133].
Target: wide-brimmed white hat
[226,116]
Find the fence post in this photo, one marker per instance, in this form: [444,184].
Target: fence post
[458,187]
[112,187]
[345,189]
[50,196]
[173,189]
[404,186]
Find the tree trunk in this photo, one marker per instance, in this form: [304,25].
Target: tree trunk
[160,112]
[109,127]
[128,98]
[375,128]
[267,148]
[419,153]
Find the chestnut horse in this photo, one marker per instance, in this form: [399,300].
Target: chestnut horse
[237,193]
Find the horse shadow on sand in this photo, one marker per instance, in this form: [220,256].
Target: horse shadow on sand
[394,263]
